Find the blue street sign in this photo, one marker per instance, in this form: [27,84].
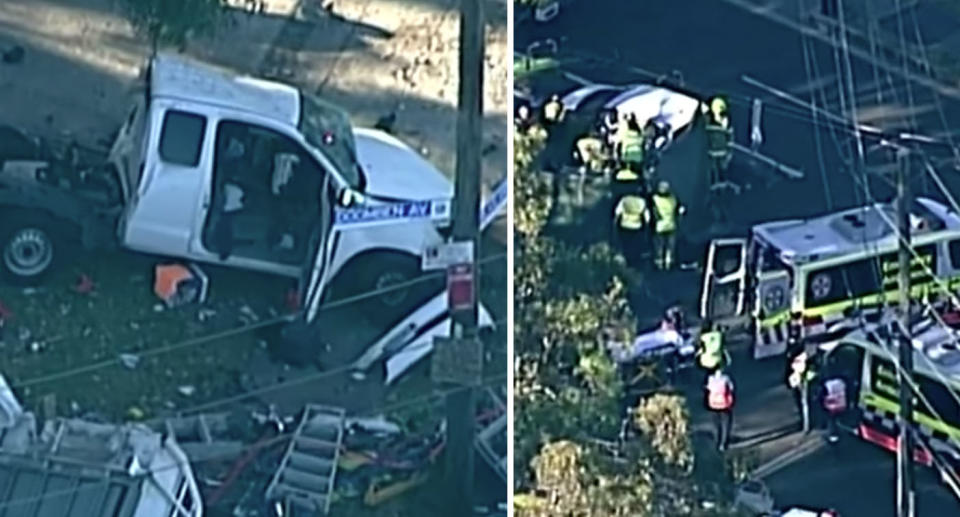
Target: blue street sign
[497,201]
[375,215]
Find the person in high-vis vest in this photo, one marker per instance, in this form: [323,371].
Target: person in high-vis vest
[632,218]
[711,354]
[800,381]
[666,210]
[627,179]
[834,404]
[553,110]
[631,143]
[719,138]
[720,402]
[589,151]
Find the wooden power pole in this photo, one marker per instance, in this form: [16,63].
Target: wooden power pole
[461,402]
[905,485]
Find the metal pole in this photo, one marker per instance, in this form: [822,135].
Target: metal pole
[905,485]
[461,404]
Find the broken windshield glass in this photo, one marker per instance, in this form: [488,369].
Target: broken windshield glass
[327,128]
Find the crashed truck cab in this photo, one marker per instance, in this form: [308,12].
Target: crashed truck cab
[821,277]
[202,151]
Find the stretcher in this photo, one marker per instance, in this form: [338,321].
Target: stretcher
[653,355]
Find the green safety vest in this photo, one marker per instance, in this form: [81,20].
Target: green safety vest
[666,205]
[632,212]
[718,138]
[712,353]
[626,174]
[631,149]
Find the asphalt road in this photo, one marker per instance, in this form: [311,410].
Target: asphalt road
[713,45]
[856,479]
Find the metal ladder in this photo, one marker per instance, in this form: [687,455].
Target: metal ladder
[491,441]
[307,471]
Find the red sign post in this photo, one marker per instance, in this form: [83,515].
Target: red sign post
[460,288]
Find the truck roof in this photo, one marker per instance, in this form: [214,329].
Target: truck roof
[181,78]
[852,230]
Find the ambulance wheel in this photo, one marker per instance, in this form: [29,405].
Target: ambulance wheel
[393,282]
[28,248]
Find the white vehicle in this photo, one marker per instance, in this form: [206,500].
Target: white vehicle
[672,109]
[867,358]
[821,274]
[241,172]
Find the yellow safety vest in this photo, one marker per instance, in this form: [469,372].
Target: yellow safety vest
[712,352]
[632,212]
[551,111]
[626,174]
[631,146]
[666,206]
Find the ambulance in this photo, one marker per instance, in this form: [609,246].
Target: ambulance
[866,359]
[821,276]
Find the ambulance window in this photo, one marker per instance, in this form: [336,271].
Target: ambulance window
[944,401]
[846,360]
[955,254]
[770,260]
[845,282]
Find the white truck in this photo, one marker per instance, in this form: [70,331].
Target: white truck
[234,171]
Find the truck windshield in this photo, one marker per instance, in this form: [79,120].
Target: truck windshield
[327,128]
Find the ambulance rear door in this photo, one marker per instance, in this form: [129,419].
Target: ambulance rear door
[724,280]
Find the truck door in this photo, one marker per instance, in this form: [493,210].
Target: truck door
[323,242]
[724,279]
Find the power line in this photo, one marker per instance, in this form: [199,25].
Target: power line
[379,409]
[235,331]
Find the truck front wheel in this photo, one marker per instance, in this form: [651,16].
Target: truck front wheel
[392,282]
[28,250]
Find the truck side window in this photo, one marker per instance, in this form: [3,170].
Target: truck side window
[181,138]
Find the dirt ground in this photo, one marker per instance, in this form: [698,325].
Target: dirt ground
[372,57]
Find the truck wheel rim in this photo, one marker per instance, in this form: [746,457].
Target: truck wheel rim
[393,297]
[28,252]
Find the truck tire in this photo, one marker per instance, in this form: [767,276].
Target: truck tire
[376,271]
[28,249]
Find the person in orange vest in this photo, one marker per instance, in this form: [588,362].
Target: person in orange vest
[720,403]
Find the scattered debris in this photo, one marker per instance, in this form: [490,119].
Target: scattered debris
[187,390]
[84,284]
[24,334]
[386,122]
[5,313]
[14,56]
[135,413]
[130,360]
[74,407]
[205,314]
[248,313]
[158,307]
[178,285]
[30,291]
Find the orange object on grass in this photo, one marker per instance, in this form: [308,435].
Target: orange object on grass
[167,278]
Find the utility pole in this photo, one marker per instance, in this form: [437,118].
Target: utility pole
[905,485]
[461,403]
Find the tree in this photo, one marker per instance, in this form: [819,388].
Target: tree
[567,391]
[172,22]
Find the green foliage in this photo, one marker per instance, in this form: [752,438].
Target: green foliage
[171,22]
[568,302]
[663,420]
[531,193]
